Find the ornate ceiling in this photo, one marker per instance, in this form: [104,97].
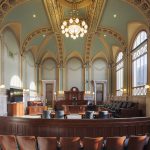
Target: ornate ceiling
[108,21]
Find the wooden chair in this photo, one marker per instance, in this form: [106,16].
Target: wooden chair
[70,143]
[136,142]
[92,143]
[115,143]
[47,143]
[8,142]
[26,142]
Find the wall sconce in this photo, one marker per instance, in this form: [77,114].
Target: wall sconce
[2,86]
[124,90]
[61,92]
[93,93]
[147,86]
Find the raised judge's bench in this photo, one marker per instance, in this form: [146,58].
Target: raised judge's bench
[74,92]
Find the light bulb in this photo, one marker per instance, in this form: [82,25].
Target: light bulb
[67,35]
[62,27]
[66,30]
[85,26]
[71,20]
[63,31]
[85,31]
[77,20]
[83,23]
[65,23]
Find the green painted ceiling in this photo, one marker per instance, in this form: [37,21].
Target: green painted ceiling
[125,14]
[23,14]
[97,46]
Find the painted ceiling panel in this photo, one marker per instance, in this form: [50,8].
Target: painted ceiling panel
[110,40]
[74,45]
[125,14]
[97,46]
[36,41]
[24,14]
[52,45]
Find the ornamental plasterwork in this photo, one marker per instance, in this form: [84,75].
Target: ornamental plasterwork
[114,34]
[79,3]
[54,11]
[94,16]
[34,34]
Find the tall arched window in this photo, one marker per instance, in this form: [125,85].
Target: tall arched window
[119,74]
[139,64]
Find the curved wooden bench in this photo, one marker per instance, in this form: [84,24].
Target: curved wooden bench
[74,127]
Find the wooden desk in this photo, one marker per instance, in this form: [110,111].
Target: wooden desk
[74,108]
[36,110]
[16,109]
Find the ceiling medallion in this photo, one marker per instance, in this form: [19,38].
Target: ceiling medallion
[74,27]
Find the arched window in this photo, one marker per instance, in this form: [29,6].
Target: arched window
[139,64]
[119,74]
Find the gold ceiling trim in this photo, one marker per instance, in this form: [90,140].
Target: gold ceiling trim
[114,34]
[94,15]
[79,4]
[54,11]
[34,34]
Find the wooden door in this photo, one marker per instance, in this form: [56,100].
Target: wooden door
[49,93]
[99,92]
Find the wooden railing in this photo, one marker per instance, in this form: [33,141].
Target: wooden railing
[74,127]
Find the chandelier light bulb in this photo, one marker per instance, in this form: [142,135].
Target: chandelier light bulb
[83,23]
[62,27]
[85,26]
[74,28]
[77,20]
[71,20]
[63,31]
[65,23]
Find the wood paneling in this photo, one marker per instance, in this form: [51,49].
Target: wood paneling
[74,127]
[16,109]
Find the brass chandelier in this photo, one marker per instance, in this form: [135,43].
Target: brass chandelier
[74,27]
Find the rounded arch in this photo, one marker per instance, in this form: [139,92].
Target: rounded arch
[74,54]
[138,29]
[15,81]
[74,69]
[48,55]
[100,55]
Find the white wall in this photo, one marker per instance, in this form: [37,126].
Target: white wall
[99,70]
[74,74]
[49,70]
[29,74]
[11,68]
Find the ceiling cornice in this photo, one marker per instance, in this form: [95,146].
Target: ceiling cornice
[45,30]
[94,15]
[54,11]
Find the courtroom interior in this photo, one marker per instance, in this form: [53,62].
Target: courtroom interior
[75,74]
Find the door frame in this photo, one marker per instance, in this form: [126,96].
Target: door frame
[44,82]
[104,82]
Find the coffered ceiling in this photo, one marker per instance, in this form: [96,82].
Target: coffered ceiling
[36,24]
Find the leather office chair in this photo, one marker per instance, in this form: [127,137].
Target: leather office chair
[136,142]
[92,143]
[115,143]
[59,114]
[89,114]
[70,143]
[8,142]
[46,114]
[104,114]
[47,143]
[26,142]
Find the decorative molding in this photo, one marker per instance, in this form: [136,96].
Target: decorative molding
[79,4]
[94,14]
[45,30]
[114,34]
[54,11]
